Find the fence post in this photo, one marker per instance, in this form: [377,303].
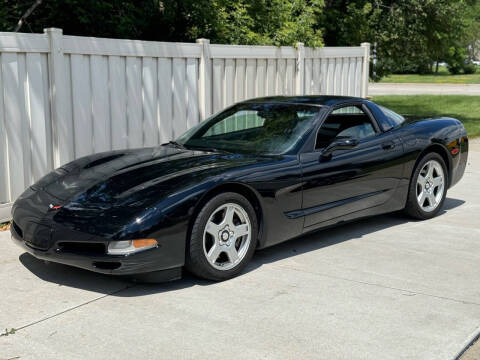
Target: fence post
[300,74]
[366,69]
[205,80]
[62,125]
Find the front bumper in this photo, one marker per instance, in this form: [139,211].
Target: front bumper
[147,261]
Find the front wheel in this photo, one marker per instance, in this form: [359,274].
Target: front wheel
[223,237]
[428,187]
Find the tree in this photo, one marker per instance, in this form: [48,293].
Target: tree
[275,22]
[473,33]
[410,34]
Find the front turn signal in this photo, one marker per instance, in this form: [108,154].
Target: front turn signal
[141,243]
[124,247]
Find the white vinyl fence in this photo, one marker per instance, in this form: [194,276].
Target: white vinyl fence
[63,97]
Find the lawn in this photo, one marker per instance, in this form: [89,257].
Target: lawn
[462,107]
[443,77]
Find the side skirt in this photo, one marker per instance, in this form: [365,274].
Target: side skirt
[395,203]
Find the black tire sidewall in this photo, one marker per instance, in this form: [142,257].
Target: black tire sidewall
[196,261]
[413,208]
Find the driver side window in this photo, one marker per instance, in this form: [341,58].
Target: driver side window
[343,123]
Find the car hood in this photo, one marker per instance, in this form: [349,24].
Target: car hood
[124,177]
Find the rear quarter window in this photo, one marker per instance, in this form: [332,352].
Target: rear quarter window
[392,117]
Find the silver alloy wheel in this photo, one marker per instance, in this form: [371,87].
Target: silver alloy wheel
[227,236]
[430,186]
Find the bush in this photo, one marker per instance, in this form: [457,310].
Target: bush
[458,62]
[469,68]
[454,69]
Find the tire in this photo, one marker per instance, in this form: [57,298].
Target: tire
[223,237]
[425,187]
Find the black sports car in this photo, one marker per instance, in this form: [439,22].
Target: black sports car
[260,172]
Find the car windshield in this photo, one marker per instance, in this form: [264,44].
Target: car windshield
[253,128]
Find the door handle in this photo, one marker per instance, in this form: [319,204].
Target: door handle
[388,145]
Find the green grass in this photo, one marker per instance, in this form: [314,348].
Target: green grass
[462,107]
[443,77]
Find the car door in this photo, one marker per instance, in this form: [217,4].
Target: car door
[349,180]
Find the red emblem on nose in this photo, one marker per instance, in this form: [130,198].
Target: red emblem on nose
[54,207]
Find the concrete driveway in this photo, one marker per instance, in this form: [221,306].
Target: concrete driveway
[422,89]
[380,288]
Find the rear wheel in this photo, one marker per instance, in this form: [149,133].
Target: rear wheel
[428,187]
[223,237]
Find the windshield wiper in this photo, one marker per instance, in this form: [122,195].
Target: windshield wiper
[176,144]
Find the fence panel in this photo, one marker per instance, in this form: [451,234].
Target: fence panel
[165,100]
[63,97]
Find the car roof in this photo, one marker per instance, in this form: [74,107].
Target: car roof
[323,100]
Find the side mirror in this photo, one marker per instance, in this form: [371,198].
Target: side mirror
[340,144]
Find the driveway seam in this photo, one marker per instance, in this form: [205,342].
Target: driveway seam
[383,286]
[73,308]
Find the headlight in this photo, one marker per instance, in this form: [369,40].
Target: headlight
[124,247]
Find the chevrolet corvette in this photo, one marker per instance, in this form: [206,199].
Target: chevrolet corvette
[258,173]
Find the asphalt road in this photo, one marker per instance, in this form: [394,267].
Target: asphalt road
[381,288]
[422,89]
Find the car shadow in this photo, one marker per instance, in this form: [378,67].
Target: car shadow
[65,275]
